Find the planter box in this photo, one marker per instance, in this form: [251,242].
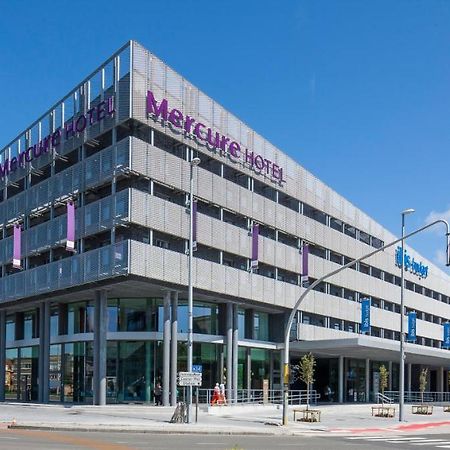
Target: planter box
[422,409]
[383,411]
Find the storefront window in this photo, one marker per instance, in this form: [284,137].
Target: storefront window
[68,366]
[28,373]
[260,367]
[113,315]
[55,373]
[29,325]
[11,373]
[356,380]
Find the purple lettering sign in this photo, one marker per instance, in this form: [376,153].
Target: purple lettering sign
[212,139]
[255,239]
[54,139]
[70,243]
[17,249]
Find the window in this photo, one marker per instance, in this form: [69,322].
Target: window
[364,268]
[364,237]
[349,230]
[336,224]
[335,290]
[336,258]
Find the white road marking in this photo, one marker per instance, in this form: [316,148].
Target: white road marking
[429,441]
[372,437]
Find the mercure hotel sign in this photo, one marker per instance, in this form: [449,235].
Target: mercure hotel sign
[213,139]
[71,128]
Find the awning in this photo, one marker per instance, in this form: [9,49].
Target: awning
[363,347]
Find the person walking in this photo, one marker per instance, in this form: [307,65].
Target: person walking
[223,398]
[158,394]
[216,395]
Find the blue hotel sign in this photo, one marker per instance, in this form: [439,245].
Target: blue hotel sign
[412,334]
[411,265]
[365,315]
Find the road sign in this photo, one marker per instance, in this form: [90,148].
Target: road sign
[197,368]
[189,379]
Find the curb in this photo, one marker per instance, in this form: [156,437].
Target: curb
[144,430]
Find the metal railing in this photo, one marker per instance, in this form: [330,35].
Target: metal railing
[416,396]
[384,398]
[256,396]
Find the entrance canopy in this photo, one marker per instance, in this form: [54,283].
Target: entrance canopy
[363,347]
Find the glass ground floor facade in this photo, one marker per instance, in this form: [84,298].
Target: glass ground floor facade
[122,347]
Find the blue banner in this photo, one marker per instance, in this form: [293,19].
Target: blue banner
[412,336]
[446,343]
[365,315]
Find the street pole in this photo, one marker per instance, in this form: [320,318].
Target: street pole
[190,336]
[334,272]
[401,399]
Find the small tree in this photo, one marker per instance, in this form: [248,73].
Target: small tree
[423,382]
[306,373]
[384,376]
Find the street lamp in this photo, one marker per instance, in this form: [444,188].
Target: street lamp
[195,162]
[401,399]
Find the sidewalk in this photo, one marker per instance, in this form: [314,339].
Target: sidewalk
[248,419]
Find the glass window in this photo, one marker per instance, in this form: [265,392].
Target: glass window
[113,315]
[10,328]
[11,373]
[336,224]
[133,314]
[261,326]
[205,317]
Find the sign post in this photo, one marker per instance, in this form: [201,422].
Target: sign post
[191,379]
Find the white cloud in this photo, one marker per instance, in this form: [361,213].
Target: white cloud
[435,215]
[439,258]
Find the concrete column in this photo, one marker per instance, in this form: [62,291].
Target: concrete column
[100,330]
[271,364]
[44,352]
[408,382]
[229,356]
[390,376]
[2,354]
[248,355]
[174,350]
[367,380]
[440,383]
[166,350]
[341,380]
[235,353]
[148,371]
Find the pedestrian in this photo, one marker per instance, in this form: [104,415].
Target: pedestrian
[216,395]
[158,394]
[223,398]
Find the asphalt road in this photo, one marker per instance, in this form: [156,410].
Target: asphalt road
[47,440]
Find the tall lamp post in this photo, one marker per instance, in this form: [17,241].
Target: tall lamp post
[195,162]
[401,399]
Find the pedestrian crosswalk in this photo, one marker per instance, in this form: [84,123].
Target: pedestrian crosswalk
[430,441]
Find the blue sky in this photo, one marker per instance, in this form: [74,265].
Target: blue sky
[364,86]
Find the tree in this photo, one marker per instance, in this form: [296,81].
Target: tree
[306,373]
[423,382]
[384,375]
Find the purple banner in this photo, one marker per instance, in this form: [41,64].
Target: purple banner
[255,236]
[70,243]
[194,225]
[305,258]
[17,252]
